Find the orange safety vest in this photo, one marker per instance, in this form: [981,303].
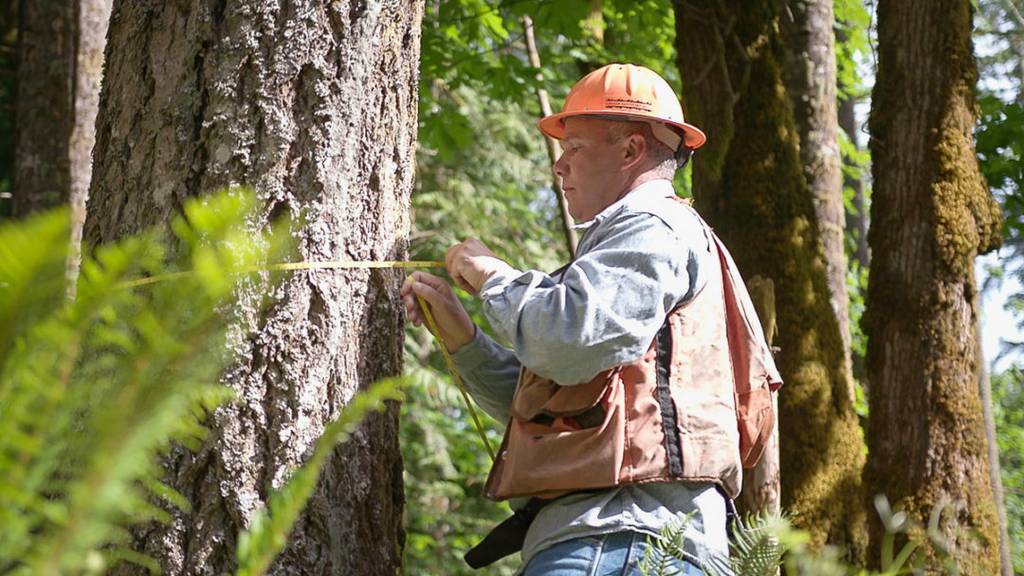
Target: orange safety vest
[696,407]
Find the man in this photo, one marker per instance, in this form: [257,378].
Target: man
[618,387]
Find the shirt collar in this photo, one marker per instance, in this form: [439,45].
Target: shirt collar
[652,189]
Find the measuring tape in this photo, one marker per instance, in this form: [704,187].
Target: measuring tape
[351,265]
[329,265]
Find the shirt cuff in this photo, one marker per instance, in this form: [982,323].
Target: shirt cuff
[474,353]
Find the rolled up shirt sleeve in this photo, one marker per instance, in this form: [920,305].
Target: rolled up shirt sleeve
[609,303]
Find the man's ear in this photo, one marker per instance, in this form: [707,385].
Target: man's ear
[634,151]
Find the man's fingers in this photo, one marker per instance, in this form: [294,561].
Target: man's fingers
[428,293]
[438,284]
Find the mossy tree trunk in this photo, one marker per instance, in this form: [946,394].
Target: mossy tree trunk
[931,215]
[313,104]
[749,183]
[809,71]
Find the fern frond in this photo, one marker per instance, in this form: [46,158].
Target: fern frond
[665,552]
[93,390]
[756,550]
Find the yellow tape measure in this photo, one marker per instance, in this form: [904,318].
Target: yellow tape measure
[328,265]
[432,326]
[352,265]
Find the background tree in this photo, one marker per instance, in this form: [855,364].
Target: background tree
[60,64]
[748,182]
[809,72]
[8,83]
[45,114]
[314,105]
[931,214]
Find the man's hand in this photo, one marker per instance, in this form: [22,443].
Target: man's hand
[452,321]
[470,264]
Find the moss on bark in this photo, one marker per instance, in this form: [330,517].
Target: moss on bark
[764,211]
[931,216]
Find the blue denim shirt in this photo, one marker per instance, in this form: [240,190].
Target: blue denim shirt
[638,259]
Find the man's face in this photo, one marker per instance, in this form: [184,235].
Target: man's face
[591,167]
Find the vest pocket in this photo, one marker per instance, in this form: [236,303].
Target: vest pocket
[537,396]
[562,456]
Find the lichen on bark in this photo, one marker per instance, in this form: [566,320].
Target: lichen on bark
[313,105]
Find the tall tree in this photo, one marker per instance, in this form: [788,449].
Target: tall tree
[91,20]
[44,114]
[809,71]
[60,65]
[857,217]
[8,81]
[749,183]
[931,215]
[314,105]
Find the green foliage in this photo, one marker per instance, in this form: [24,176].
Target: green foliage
[755,550]
[445,468]
[1000,144]
[269,529]
[1000,134]
[667,549]
[764,544]
[1008,409]
[852,46]
[93,390]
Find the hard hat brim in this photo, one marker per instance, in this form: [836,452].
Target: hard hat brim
[554,125]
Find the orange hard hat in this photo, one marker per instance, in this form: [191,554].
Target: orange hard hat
[631,92]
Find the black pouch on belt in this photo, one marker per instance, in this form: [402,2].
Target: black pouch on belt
[505,538]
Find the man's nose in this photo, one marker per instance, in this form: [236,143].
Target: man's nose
[560,166]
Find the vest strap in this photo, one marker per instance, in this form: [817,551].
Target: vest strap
[663,349]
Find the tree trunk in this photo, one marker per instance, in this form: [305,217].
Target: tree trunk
[809,70]
[91,19]
[762,491]
[8,100]
[44,110]
[314,105]
[856,219]
[749,183]
[60,65]
[992,443]
[931,215]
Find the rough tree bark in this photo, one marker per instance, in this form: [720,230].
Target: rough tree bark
[314,105]
[931,215]
[749,184]
[809,71]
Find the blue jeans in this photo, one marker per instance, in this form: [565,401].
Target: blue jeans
[617,554]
